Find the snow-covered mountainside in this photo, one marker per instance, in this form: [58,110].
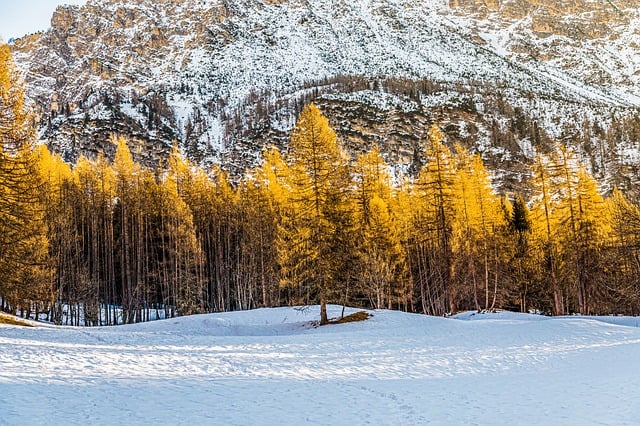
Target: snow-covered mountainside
[272,367]
[595,41]
[226,77]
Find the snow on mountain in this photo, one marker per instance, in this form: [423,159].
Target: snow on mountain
[227,77]
[272,366]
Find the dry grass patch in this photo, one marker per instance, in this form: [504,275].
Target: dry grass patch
[11,320]
[355,317]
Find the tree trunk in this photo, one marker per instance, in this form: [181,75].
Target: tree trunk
[324,320]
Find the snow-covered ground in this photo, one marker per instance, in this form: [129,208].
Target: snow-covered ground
[271,366]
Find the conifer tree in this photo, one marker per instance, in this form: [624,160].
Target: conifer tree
[476,220]
[74,239]
[544,180]
[216,217]
[581,210]
[17,128]
[23,244]
[435,192]
[222,224]
[314,246]
[56,177]
[271,195]
[625,262]
[300,229]
[182,257]
[521,266]
[381,264]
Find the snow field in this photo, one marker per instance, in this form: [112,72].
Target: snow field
[271,366]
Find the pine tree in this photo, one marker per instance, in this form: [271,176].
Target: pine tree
[521,270]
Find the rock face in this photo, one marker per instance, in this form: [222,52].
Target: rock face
[224,78]
[595,41]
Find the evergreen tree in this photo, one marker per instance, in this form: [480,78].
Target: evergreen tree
[522,273]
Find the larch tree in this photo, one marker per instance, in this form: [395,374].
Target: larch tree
[257,225]
[214,205]
[129,227]
[23,242]
[581,210]
[315,239]
[223,226]
[477,221]
[56,177]
[181,258]
[433,239]
[109,242]
[382,271]
[545,184]
[74,242]
[268,194]
[625,261]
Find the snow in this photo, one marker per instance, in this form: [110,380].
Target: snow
[628,153]
[223,53]
[272,366]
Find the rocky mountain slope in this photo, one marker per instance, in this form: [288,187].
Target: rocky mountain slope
[224,78]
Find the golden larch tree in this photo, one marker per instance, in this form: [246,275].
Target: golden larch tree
[315,236]
[24,269]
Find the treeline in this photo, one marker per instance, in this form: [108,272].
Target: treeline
[109,242]
[123,242]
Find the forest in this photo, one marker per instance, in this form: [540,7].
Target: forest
[107,242]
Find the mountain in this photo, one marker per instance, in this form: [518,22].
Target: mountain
[225,78]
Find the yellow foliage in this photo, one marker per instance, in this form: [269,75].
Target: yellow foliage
[52,170]
[275,177]
[17,123]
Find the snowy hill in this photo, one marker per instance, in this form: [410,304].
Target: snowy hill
[270,366]
[225,78]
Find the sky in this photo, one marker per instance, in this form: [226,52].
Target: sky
[21,17]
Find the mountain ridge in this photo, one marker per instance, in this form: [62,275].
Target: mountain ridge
[226,78]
